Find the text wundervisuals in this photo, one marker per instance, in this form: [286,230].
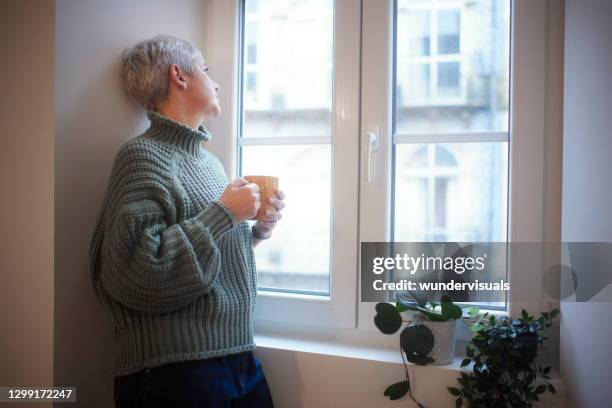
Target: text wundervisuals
[413,264]
[404,285]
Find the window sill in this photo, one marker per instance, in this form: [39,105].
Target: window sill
[291,353]
[354,344]
[349,343]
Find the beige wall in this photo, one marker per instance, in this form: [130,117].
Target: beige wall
[26,204]
[93,117]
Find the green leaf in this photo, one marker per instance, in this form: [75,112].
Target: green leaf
[471,310]
[449,309]
[410,306]
[417,340]
[554,313]
[525,314]
[552,389]
[546,370]
[466,362]
[387,319]
[476,328]
[458,403]
[400,307]
[453,391]
[541,389]
[397,390]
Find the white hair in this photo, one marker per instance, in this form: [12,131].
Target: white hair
[144,68]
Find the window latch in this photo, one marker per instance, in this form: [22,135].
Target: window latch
[373,146]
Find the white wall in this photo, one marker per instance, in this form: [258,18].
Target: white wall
[312,380]
[586,331]
[26,203]
[93,117]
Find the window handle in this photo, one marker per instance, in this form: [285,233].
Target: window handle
[373,146]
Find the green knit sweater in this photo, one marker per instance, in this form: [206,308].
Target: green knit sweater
[169,262]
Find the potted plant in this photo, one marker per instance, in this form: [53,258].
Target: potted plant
[505,372]
[428,338]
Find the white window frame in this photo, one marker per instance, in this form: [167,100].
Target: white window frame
[338,309]
[356,110]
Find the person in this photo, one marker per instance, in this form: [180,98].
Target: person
[171,257]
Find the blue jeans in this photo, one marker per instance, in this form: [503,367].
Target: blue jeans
[235,381]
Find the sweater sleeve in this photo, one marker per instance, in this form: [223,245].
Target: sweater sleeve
[153,267]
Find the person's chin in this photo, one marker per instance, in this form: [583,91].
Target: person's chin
[212,112]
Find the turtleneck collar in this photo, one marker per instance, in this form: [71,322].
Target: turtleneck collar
[178,134]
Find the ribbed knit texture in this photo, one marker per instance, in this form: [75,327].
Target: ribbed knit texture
[168,261]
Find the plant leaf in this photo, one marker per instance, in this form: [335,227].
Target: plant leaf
[453,390]
[466,362]
[471,310]
[397,390]
[458,403]
[387,319]
[417,340]
[449,309]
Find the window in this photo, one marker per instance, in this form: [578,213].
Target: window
[385,120]
[455,191]
[297,110]
[286,131]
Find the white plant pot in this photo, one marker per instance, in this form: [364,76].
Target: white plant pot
[443,351]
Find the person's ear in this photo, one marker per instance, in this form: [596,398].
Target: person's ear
[177,77]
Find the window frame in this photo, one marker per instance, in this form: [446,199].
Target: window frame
[526,139]
[224,33]
[362,73]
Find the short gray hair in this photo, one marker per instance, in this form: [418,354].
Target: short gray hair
[144,68]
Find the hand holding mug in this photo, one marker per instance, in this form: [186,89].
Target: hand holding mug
[264,227]
[242,198]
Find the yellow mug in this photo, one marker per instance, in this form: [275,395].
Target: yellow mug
[267,187]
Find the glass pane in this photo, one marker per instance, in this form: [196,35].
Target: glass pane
[448,79]
[290,47]
[448,32]
[418,37]
[297,256]
[417,75]
[469,62]
[451,192]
